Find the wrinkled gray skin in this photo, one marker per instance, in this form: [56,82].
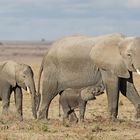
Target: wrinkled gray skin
[77,98]
[73,62]
[14,77]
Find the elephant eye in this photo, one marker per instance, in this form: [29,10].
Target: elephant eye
[129,55]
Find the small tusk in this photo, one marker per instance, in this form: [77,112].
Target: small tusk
[28,90]
[138,72]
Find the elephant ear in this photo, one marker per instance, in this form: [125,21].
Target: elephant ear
[125,45]
[7,71]
[106,55]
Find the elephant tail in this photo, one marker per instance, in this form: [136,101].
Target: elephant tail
[40,71]
[39,80]
[59,109]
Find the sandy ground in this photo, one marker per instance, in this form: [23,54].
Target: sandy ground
[97,126]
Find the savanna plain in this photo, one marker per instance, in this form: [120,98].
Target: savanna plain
[97,125]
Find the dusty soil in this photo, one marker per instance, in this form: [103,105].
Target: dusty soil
[97,125]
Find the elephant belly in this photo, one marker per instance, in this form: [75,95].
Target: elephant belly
[87,75]
[73,100]
[73,105]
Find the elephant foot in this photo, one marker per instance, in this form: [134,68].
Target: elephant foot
[44,121]
[19,117]
[113,117]
[34,114]
[42,115]
[73,118]
[137,116]
[5,112]
[66,122]
[81,121]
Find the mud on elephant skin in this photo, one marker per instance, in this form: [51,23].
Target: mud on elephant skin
[77,98]
[14,77]
[80,61]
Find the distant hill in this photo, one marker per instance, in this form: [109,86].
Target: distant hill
[25,43]
[20,50]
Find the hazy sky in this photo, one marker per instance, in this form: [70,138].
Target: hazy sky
[52,19]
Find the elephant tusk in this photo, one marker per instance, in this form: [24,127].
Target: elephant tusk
[28,90]
[138,72]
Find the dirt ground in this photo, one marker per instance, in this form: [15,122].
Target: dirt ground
[97,125]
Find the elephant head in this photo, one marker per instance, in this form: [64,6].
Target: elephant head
[20,75]
[130,52]
[87,94]
[90,92]
[117,54]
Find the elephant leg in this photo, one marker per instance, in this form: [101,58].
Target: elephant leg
[82,108]
[49,91]
[65,107]
[6,100]
[111,85]
[66,115]
[128,89]
[73,117]
[5,105]
[69,114]
[18,102]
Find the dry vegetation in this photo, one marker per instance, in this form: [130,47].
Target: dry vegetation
[97,126]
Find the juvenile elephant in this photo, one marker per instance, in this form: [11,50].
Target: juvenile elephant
[80,61]
[13,77]
[77,98]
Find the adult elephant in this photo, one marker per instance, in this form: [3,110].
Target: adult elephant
[76,61]
[13,77]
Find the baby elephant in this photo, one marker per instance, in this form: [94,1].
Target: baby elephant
[13,77]
[73,98]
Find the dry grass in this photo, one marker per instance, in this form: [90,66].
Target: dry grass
[97,126]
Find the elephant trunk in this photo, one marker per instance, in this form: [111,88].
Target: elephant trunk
[32,90]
